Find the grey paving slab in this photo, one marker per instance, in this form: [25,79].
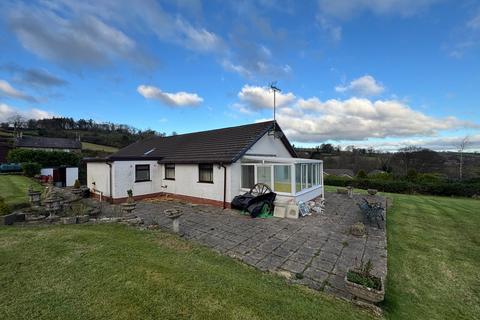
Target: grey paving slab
[317,249]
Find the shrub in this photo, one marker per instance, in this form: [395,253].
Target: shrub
[76,185]
[412,175]
[30,169]
[4,208]
[44,158]
[361,174]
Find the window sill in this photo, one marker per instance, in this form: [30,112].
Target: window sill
[169,179]
[209,182]
[142,181]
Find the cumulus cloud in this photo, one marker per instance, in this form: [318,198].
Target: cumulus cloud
[6,90]
[262,97]
[7,112]
[178,99]
[356,119]
[363,86]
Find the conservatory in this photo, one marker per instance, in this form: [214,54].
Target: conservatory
[291,178]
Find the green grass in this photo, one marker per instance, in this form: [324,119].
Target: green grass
[98,147]
[116,272]
[13,188]
[433,257]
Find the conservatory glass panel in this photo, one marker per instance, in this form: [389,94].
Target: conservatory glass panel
[248,176]
[264,175]
[298,177]
[282,179]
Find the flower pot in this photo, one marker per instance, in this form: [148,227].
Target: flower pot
[365,293]
[128,207]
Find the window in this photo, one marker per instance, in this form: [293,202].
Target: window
[282,178]
[170,171]
[142,172]
[248,177]
[298,177]
[205,173]
[264,175]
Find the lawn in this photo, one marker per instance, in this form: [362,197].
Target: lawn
[434,258]
[117,272]
[13,188]
[98,147]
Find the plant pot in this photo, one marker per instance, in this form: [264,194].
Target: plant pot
[77,192]
[372,192]
[365,293]
[128,207]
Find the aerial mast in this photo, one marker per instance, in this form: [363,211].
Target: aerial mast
[275,89]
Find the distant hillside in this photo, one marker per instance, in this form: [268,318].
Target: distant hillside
[89,131]
[419,159]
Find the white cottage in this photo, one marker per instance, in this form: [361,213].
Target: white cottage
[210,167]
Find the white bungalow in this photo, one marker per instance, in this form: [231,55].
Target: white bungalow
[210,167]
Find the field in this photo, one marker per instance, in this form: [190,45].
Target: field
[98,147]
[116,272]
[13,188]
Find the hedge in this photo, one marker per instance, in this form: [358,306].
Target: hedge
[44,158]
[440,188]
[30,169]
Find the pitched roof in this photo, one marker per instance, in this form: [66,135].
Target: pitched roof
[225,145]
[339,172]
[44,142]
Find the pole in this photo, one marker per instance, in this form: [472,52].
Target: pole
[275,89]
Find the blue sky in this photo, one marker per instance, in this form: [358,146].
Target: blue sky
[381,73]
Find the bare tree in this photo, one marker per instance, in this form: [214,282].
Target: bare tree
[18,122]
[461,148]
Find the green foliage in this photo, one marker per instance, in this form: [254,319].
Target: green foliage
[4,208]
[44,158]
[382,176]
[412,175]
[77,185]
[30,169]
[130,193]
[361,174]
[369,282]
[440,187]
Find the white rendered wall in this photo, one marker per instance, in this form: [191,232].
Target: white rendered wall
[186,182]
[98,172]
[266,145]
[123,179]
[71,176]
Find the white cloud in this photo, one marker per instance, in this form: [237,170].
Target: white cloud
[7,112]
[363,86]
[6,90]
[178,99]
[262,98]
[356,119]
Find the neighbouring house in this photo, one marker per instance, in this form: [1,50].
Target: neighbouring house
[63,176]
[344,173]
[47,144]
[209,167]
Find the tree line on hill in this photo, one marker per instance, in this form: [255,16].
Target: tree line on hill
[105,133]
[449,165]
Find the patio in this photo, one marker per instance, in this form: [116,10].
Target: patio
[317,250]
